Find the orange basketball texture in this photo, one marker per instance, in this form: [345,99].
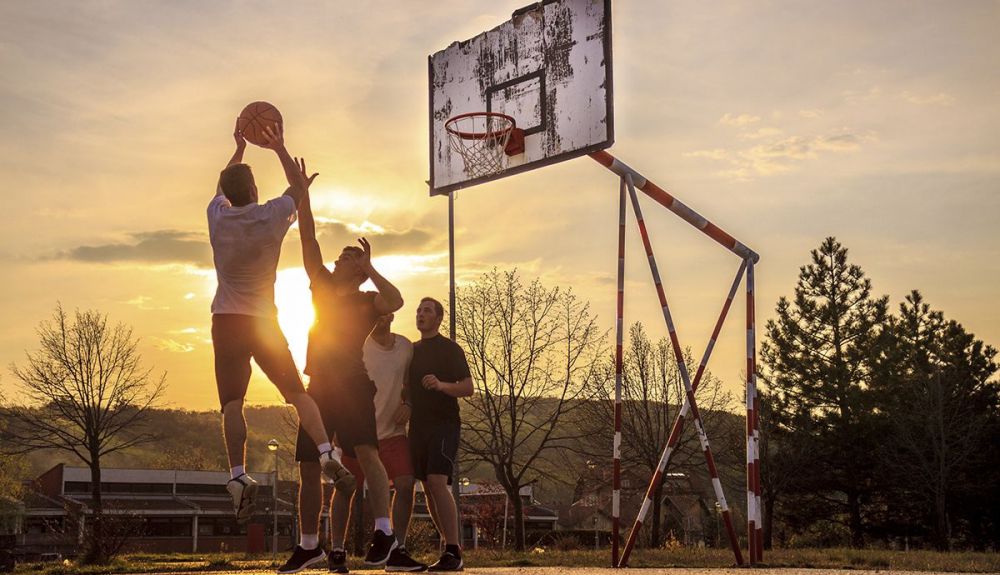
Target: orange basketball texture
[255,117]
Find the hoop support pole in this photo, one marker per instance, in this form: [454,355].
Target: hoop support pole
[616,452]
[673,204]
[690,403]
[755,527]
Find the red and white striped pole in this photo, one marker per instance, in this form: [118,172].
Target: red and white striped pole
[674,205]
[689,404]
[619,338]
[755,527]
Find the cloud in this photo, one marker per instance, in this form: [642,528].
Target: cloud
[714,154]
[761,133]
[939,99]
[782,155]
[172,345]
[738,121]
[810,114]
[333,235]
[161,246]
[145,302]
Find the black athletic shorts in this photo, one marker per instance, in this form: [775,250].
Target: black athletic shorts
[433,448]
[347,407]
[236,338]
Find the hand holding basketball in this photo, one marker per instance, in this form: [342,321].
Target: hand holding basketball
[241,142]
[273,137]
[254,118]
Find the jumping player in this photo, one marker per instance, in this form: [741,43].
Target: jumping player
[246,243]
[340,384]
[387,359]
[439,375]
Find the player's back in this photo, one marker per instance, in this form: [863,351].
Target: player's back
[246,245]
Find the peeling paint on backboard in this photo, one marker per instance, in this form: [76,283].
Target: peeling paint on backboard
[549,67]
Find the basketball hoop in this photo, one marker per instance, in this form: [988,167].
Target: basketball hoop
[481,138]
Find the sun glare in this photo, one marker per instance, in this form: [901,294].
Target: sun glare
[295,310]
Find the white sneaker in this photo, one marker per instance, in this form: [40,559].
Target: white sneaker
[243,489]
[335,470]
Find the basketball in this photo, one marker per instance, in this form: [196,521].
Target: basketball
[254,118]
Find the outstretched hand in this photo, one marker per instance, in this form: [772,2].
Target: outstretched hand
[274,137]
[365,259]
[301,163]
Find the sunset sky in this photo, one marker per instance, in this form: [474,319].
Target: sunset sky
[781,121]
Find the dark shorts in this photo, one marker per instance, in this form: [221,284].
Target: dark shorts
[433,448]
[347,407]
[236,338]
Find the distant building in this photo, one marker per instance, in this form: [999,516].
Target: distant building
[190,511]
[172,510]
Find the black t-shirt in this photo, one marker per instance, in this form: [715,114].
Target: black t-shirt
[343,322]
[444,358]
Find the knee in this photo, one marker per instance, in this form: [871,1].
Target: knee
[437,483]
[403,485]
[233,406]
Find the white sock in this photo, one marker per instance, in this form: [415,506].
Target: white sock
[324,447]
[309,541]
[338,547]
[236,471]
[382,524]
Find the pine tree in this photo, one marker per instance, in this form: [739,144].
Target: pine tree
[817,359]
[937,399]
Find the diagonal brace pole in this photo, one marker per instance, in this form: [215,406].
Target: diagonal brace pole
[674,205]
[690,401]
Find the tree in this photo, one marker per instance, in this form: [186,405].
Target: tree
[652,395]
[818,359]
[532,352]
[86,392]
[937,398]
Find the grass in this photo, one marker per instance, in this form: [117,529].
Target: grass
[861,559]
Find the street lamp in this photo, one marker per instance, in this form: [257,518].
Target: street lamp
[273,446]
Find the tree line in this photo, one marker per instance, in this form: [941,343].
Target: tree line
[894,417]
[877,426]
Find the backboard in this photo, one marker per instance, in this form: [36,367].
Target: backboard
[548,67]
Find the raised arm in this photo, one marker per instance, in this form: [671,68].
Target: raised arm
[312,258]
[241,146]
[388,299]
[274,139]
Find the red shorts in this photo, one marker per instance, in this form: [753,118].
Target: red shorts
[395,455]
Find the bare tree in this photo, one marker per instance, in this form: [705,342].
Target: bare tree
[533,352]
[652,395]
[86,392]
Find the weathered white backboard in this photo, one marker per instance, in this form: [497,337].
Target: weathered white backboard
[549,67]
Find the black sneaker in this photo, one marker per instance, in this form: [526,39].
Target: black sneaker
[400,560]
[338,561]
[447,562]
[302,559]
[380,548]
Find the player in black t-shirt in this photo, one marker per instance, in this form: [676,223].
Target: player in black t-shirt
[339,383]
[439,375]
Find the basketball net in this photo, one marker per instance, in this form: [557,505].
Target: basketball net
[480,138]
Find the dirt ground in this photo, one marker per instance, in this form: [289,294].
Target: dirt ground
[608,571]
